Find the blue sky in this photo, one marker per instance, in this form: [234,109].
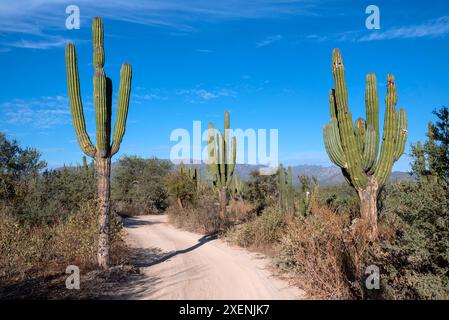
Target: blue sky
[266,61]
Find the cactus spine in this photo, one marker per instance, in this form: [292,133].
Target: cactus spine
[104,150]
[222,157]
[354,148]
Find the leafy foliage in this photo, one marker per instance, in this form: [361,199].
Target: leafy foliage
[138,185]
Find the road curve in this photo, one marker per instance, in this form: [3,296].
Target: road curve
[177,264]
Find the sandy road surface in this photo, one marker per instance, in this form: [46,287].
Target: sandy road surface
[182,265]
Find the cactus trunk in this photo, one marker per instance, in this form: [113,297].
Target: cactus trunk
[104,205]
[223,201]
[368,207]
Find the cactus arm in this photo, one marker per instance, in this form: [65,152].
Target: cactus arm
[332,143]
[372,107]
[226,143]
[282,186]
[212,154]
[348,139]
[76,106]
[221,165]
[231,166]
[369,150]
[360,130]
[122,107]
[386,159]
[401,134]
[332,104]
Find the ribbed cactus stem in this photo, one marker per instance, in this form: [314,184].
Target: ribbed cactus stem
[282,187]
[355,147]
[122,107]
[222,160]
[103,113]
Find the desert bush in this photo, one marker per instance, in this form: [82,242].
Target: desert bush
[262,232]
[138,186]
[181,188]
[27,251]
[240,211]
[342,199]
[262,190]
[201,218]
[415,260]
[324,254]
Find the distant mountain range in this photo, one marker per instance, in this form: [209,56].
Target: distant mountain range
[327,176]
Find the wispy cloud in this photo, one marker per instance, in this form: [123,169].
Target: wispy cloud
[204,50]
[42,18]
[141,95]
[199,95]
[43,112]
[269,40]
[45,43]
[431,28]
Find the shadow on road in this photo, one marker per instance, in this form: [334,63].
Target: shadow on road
[132,222]
[159,257]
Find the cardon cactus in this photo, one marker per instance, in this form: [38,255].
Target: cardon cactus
[104,149]
[222,156]
[286,192]
[354,147]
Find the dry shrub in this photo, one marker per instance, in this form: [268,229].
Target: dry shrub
[240,211]
[261,232]
[325,254]
[31,251]
[203,218]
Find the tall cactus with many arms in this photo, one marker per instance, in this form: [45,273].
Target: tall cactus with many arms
[222,158]
[354,148]
[104,150]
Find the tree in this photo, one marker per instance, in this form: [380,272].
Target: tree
[138,184]
[431,158]
[17,167]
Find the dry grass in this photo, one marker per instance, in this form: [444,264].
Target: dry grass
[262,232]
[34,251]
[325,254]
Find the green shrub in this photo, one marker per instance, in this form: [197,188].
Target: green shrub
[182,189]
[416,260]
[262,190]
[138,186]
[263,231]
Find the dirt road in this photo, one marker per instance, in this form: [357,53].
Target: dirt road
[182,265]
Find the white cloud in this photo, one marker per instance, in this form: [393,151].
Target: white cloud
[202,95]
[204,51]
[42,18]
[269,40]
[43,112]
[431,28]
[38,44]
